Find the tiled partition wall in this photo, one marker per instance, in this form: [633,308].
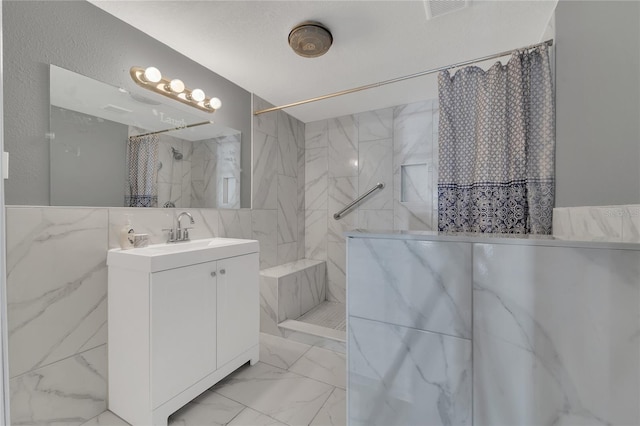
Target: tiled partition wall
[346,156]
[540,333]
[57,275]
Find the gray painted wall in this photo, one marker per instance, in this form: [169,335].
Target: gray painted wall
[80,37]
[598,103]
[88,160]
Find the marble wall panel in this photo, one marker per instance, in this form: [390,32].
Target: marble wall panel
[56,284]
[264,123]
[287,252]
[342,191]
[375,125]
[343,146]
[556,335]
[419,284]
[375,164]
[631,224]
[287,209]
[614,223]
[264,225]
[269,305]
[312,282]
[68,392]
[336,271]
[375,219]
[287,145]
[403,376]
[316,134]
[316,182]
[413,133]
[264,185]
[288,297]
[315,235]
[235,223]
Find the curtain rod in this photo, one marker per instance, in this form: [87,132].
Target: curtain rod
[170,130]
[406,77]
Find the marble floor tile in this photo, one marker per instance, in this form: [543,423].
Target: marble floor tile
[209,409]
[334,411]
[323,365]
[106,419]
[280,352]
[288,397]
[249,417]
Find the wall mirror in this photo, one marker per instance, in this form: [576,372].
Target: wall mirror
[111,147]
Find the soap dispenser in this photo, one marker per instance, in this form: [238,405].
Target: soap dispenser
[127,235]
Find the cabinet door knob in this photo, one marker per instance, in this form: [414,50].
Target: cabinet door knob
[222,271]
[213,274]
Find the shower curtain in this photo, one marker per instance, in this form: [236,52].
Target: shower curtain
[497,145]
[142,163]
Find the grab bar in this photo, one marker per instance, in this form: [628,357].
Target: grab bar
[338,215]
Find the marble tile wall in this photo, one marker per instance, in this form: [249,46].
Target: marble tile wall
[213,161]
[278,189]
[556,335]
[549,335]
[615,223]
[409,336]
[290,290]
[57,295]
[345,156]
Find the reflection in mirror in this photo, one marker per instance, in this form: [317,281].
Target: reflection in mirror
[110,147]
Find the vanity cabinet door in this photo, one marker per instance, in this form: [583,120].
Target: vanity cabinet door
[238,306]
[183,328]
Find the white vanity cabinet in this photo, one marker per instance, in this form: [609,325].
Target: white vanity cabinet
[175,332]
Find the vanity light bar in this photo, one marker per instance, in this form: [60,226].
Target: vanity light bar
[151,79]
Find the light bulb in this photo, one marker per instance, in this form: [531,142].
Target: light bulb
[214,103]
[175,85]
[152,75]
[197,95]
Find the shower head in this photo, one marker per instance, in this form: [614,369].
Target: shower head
[176,154]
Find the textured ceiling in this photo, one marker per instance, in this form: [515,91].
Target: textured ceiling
[246,42]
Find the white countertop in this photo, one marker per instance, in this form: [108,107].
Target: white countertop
[510,239]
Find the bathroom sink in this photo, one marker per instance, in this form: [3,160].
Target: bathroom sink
[159,257]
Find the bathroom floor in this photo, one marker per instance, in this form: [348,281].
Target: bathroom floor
[293,384]
[327,314]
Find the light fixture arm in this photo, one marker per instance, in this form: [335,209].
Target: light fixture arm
[163,87]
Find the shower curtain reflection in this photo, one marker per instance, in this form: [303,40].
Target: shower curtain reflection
[142,164]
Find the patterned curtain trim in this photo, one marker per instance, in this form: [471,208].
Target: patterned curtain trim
[504,208]
[141,201]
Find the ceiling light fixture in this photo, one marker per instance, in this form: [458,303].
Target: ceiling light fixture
[150,78]
[310,39]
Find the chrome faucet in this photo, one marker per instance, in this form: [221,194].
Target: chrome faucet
[180,233]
